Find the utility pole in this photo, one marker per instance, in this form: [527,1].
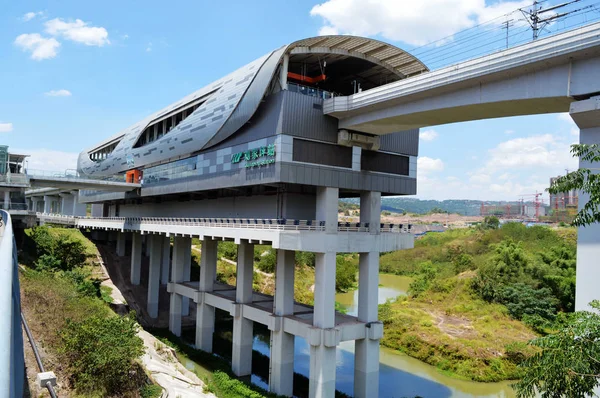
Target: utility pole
[505,25]
[538,23]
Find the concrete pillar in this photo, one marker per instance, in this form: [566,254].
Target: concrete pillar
[180,246]
[66,204]
[586,115]
[187,276]
[327,207]
[48,204]
[241,358]
[165,263]
[322,356]
[79,209]
[356,158]
[121,243]
[6,204]
[282,344]
[136,258]
[97,210]
[146,245]
[366,353]
[284,72]
[154,274]
[370,210]
[205,314]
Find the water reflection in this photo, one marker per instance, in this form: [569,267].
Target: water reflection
[399,375]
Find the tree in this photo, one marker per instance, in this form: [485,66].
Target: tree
[568,362]
[583,180]
[491,222]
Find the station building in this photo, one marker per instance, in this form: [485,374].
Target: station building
[251,158]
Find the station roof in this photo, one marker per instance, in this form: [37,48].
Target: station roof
[391,57]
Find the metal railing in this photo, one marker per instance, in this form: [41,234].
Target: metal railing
[245,223]
[310,91]
[12,360]
[14,178]
[71,173]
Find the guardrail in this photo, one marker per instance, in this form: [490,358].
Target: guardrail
[12,360]
[246,223]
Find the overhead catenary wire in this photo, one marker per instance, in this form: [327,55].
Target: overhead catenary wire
[494,35]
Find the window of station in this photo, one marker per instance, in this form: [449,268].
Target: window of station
[102,153]
[163,126]
[327,75]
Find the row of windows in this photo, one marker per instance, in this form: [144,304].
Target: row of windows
[158,129]
[103,153]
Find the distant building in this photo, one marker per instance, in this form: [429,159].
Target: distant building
[563,200]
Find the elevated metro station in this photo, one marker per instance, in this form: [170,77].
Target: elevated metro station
[251,158]
[263,155]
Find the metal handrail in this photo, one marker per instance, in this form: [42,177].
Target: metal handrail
[36,353]
[224,222]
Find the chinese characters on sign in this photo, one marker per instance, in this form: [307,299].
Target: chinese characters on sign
[256,157]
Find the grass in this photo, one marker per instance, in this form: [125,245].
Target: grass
[458,333]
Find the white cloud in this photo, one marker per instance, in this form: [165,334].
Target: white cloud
[58,93]
[40,47]
[565,117]
[48,159]
[428,135]
[416,23]
[125,37]
[427,165]
[509,132]
[149,47]
[78,31]
[30,15]
[6,127]
[536,151]
[480,178]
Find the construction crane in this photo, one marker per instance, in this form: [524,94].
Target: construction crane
[537,202]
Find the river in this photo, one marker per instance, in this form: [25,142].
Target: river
[400,375]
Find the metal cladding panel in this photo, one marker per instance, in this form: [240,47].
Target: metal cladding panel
[301,118]
[219,111]
[264,123]
[250,100]
[404,142]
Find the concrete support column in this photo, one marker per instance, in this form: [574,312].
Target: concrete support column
[187,273]
[165,263]
[6,204]
[79,209]
[586,115]
[121,243]
[48,204]
[282,344]
[241,358]
[205,314]
[284,72]
[136,258]
[154,274]
[366,353]
[180,246]
[66,204]
[356,158]
[327,207]
[97,210]
[370,210]
[322,356]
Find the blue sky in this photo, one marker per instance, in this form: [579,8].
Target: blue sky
[75,72]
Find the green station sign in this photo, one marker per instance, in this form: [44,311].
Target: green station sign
[257,157]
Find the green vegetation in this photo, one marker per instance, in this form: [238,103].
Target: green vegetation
[567,363]
[93,350]
[471,289]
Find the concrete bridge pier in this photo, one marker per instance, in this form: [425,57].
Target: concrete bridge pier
[366,353]
[66,203]
[121,243]
[154,274]
[205,313]
[181,246]
[187,274]
[50,204]
[241,357]
[586,115]
[136,258]
[79,209]
[165,263]
[281,380]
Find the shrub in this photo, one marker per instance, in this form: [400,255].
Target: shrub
[151,391]
[305,258]
[521,299]
[267,262]
[101,352]
[227,250]
[345,274]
